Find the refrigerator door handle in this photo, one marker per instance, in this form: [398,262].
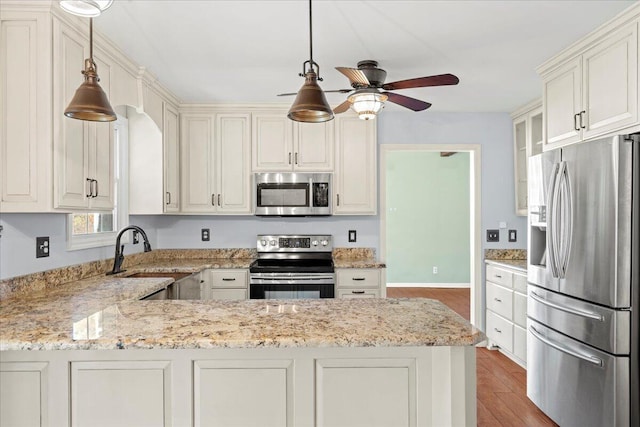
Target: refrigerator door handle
[551,224]
[586,357]
[566,309]
[566,215]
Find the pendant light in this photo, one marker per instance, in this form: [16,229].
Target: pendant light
[310,105]
[90,102]
[85,8]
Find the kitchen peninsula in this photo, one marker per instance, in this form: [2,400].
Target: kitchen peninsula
[89,352]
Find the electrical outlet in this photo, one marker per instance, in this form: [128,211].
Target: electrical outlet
[205,234]
[513,236]
[435,270]
[136,237]
[42,247]
[493,235]
[352,235]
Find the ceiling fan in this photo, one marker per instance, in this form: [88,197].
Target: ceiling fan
[368,79]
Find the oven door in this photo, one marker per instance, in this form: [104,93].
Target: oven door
[291,286]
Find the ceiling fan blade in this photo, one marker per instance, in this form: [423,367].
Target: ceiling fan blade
[439,80]
[355,76]
[405,101]
[287,94]
[342,107]
[339,91]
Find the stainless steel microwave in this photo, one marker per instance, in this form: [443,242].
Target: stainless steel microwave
[292,194]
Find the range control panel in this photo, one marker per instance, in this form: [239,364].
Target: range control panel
[295,243]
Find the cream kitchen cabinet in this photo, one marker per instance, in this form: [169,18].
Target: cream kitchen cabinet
[25,119]
[24,393]
[527,141]
[83,151]
[355,178]
[171,154]
[591,89]
[360,283]
[280,144]
[226,284]
[215,162]
[506,315]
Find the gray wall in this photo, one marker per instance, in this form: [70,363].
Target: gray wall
[491,130]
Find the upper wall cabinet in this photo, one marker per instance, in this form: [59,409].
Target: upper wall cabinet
[83,151]
[215,160]
[591,89]
[355,178]
[279,144]
[171,154]
[25,118]
[527,141]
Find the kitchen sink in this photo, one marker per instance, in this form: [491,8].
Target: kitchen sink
[174,275]
[186,286]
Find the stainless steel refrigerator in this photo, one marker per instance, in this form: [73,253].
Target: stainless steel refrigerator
[583,293]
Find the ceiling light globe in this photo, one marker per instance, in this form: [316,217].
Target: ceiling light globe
[367,103]
[85,8]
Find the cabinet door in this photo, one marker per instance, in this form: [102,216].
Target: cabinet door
[100,150]
[228,294]
[198,162]
[313,146]
[70,135]
[234,175]
[23,393]
[610,83]
[520,131]
[562,101]
[171,160]
[120,393]
[271,142]
[25,84]
[355,178]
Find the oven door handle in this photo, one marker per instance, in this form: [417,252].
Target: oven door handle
[329,277]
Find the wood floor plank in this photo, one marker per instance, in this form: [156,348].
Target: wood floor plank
[501,383]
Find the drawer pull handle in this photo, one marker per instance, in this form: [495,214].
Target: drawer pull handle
[498,276]
[497,299]
[228,279]
[201,281]
[357,292]
[497,330]
[359,279]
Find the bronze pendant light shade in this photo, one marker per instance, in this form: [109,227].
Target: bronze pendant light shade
[90,102]
[311,105]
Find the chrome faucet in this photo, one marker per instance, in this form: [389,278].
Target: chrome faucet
[119,258]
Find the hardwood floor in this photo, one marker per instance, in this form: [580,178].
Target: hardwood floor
[501,383]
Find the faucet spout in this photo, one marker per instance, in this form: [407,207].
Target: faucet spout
[119,256]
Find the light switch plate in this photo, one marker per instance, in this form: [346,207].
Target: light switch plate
[352,235]
[513,235]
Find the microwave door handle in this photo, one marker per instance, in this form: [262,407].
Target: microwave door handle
[550,225]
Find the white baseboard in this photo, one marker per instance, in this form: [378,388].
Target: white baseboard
[428,285]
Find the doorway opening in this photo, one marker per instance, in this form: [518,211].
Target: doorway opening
[430,217]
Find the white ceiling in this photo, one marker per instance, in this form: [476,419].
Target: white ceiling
[211,51]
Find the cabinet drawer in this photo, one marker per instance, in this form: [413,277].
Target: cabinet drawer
[500,300]
[520,343]
[520,309]
[499,276]
[228,278]
[500,331]
[358,293]
[358,278]
[229,294]
[520,283]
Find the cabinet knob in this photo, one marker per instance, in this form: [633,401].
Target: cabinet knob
[498,299]
[497,330]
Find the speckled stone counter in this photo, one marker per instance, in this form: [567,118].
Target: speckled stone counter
[518,264]
[105,313]
[356,258]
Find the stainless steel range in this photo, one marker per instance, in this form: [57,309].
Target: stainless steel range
[292,266]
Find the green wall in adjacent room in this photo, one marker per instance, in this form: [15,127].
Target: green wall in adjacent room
[427,207]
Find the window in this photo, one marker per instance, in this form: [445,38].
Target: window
[96,229]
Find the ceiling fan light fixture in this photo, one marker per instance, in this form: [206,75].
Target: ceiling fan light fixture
[90,101]
[85,8]
[311,104]
[367,103]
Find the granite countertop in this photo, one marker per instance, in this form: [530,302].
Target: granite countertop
[105,313]
[518,264]
[357,263]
